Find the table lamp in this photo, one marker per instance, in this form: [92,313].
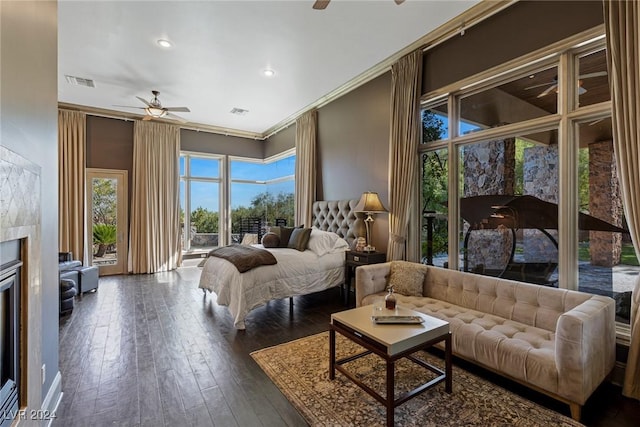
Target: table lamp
[370,204]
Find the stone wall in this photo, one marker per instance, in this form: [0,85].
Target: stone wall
[605,203]
[489,168]
[540,180]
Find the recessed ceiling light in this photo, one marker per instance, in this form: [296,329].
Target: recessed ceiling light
[268,72]
[164,43]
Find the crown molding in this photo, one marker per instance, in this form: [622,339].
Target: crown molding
[198,127]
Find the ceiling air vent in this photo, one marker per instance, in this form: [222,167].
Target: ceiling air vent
[239,111]
[79,81]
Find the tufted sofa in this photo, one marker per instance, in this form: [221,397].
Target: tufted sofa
[556,341]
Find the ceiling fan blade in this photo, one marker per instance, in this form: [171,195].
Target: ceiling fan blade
[321,4]
[130,106]
[178,118]
[179,109]
[399,1]
[590,75]
[548,90]
[144,101]
[539,85]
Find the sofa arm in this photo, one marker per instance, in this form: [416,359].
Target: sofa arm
[585,347]
[65,256]
[371,279]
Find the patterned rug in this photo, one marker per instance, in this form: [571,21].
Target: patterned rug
[301,370]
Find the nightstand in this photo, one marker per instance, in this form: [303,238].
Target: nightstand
[356,259]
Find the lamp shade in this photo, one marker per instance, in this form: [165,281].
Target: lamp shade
[370,202]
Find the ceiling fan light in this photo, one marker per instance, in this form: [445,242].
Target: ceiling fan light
[164,43]
[156,112]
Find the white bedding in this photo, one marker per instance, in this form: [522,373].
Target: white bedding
[296,273]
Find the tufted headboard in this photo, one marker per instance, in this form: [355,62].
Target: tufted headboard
[337,216]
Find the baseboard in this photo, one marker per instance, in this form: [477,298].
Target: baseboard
[616,376]
[52,399]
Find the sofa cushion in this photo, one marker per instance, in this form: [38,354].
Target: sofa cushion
[521,351]
[69,265]
[536,305]
[407,278]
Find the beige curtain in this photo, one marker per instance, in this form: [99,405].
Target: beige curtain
[406,75]
[306,129]
[622,23]
[71,183]
[155,207]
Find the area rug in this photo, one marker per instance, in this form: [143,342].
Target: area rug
[300,369]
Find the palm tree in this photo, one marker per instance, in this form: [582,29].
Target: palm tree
[103,236]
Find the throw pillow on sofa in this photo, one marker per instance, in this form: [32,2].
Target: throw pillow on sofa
[407,278]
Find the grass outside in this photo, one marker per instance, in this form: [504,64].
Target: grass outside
[628,256]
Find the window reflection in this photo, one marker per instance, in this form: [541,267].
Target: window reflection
[606,260]
[528,97]
[593,79]
[508,208]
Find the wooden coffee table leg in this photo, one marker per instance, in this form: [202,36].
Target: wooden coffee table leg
[332,354]
[448,384]
[391,382]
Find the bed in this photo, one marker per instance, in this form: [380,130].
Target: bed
[319,267]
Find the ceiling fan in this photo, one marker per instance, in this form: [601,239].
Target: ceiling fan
[553,84]
[155,110]
[322,4]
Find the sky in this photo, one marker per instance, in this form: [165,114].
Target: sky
[207,194]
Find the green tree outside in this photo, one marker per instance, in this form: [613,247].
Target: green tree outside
[435,189]
[264,205]
[104,201]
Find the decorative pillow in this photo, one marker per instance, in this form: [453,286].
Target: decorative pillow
[299,238]
[326,242]
[271,240]
[284,233]
[407,278]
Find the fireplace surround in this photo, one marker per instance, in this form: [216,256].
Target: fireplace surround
[20,262]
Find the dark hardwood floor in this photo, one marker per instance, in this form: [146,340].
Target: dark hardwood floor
[153,350]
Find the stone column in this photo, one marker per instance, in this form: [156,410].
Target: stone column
[540,180]
[488,168]
[605,203]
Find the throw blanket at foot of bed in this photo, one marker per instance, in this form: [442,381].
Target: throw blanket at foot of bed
[244,258]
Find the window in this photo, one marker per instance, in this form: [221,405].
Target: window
[200,200]
[503,150]
[508,212]
[261,190]
[262,193]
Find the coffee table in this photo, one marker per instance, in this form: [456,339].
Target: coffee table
[391,342]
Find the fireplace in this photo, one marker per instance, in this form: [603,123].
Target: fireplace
[10,268]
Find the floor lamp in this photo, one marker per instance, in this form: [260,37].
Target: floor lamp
[370,204]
